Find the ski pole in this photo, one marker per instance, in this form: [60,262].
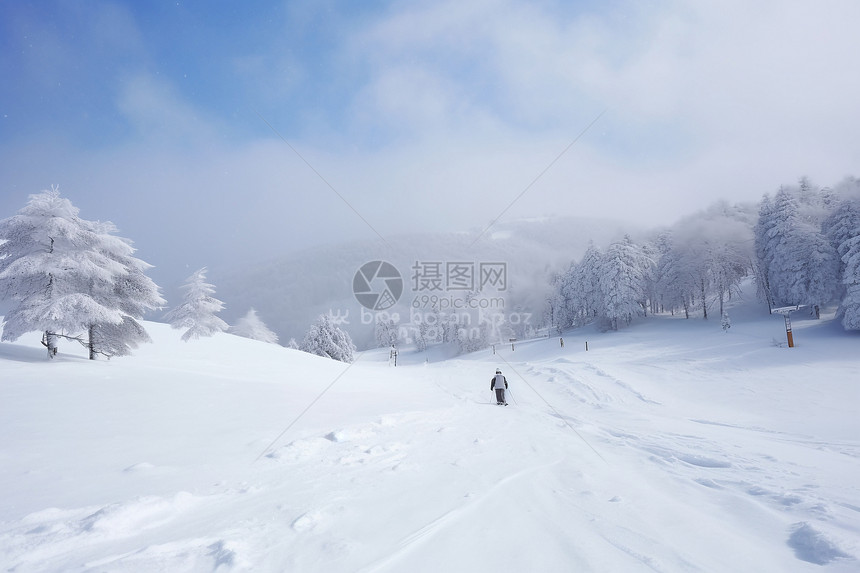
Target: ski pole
[512,397]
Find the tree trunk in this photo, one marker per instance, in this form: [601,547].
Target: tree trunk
[91,345]
[50,342]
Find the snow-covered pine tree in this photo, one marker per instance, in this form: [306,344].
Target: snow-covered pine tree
[568,296]
[803,266]
[673,285]
[251,326]
[133,292]
[622,276]
[68,276]
[842,225]
[726,322]
[850,307]
[821,269]
[650,300]
[764,251]
[588,283]
[580,288]
[326,339]
[555,311]
[842,228]
[197,312]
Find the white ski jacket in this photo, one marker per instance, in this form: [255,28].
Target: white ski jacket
[498,382]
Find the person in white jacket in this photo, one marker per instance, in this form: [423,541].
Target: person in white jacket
[499,383]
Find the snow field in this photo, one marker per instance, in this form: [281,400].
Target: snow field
[670,446]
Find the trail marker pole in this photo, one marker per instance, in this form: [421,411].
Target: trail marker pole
[788,334]
[786,311]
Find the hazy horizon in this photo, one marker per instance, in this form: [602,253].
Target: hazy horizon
[216,134]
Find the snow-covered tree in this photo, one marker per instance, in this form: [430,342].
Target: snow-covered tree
[385,333]
[198,310]
[580,288]
[555,311]
[473,338]
[850,307]
[802,265]
[842,229]
[251,326]
[841,226]
[67,276]
[326,339]
[821,269]
[650,299]
[622,282]
[133,293]
[705,257]
[673,282]
[117,339]
[727,262]
[588,283]
[764,251]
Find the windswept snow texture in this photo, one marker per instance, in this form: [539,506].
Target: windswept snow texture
[669,446]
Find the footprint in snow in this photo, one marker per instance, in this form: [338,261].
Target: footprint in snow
[812,546]
[140,467]
[307,521]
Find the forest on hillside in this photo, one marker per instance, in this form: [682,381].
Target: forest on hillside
[801,246]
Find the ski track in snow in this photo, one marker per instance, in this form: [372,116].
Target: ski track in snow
[442,485]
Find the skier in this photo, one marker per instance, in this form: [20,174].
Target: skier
[499,383]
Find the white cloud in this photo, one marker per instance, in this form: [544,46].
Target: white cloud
[704,99]
[158,112]
[460,105]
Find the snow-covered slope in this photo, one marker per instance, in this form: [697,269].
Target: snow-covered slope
[670,446]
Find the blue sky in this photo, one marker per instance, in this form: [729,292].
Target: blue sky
[422,115]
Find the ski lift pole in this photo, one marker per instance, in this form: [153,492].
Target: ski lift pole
[786,311]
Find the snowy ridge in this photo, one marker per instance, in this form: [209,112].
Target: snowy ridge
[670,446]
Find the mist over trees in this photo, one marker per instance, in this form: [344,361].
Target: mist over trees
[69,278]
[72,278]
[801,246]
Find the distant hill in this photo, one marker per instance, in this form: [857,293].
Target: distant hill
[290,291]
